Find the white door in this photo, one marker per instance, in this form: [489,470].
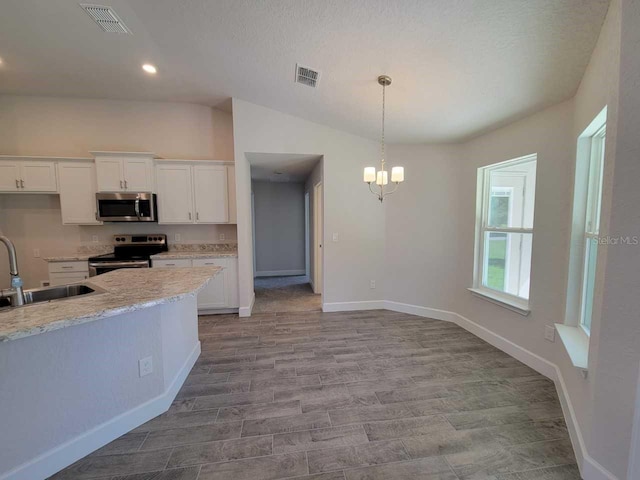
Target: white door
[175,195]
[78,193]
[110,175]
[38,177]
[318,234]
[215,294]
[138,175]
[211,200]
[9,176]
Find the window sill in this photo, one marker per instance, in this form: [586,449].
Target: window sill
[519,307]
[576,343]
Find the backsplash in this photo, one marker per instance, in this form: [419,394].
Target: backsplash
[204,247]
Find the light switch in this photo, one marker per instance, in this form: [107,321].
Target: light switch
[335,237]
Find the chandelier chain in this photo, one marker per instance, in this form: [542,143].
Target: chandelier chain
[383,108]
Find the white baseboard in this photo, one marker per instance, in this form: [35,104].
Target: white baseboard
[279,273]
[589,468]
[246,311]
[352,306]
[73,450]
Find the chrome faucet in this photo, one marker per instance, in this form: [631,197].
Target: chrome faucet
[16,282]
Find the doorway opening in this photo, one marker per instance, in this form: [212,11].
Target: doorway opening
[286,193]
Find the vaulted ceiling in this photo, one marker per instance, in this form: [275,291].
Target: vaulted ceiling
[459,67]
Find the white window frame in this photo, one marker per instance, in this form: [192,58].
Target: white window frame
[483,202]
[592,219]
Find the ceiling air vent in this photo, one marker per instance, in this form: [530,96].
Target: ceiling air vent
[106,18]
[307,76]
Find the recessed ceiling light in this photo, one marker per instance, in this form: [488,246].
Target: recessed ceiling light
[147,67]
[1,61]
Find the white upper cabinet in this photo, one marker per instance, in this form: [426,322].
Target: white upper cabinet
[124,172]
[29,176]
[175,198]
[78,193]
[210,193]
[193,192]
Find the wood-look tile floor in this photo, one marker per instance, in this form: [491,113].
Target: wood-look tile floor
[348,396]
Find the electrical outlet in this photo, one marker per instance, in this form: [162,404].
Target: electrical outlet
[94,238]
[550,333]
[372,284]
[335,237]
[36,253]
[145,366]
[221,236]
[177,237]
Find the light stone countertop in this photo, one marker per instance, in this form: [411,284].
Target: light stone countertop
[84,253]
[126,290]
[79,257]
[180,255]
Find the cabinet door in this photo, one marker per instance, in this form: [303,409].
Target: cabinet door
[231,187]
[210,193]
[78,193]
[109,175]
[9,176]
[38,177]
[215,294]
[175,195]
[138,175]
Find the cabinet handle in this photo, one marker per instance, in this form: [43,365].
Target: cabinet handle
[121,186]
[170,264]
[125,185]
[22,183]
[66,266]
[17,183]
[197,215]
[189,215]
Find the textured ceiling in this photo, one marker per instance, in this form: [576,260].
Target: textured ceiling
[459,67]
[272,167]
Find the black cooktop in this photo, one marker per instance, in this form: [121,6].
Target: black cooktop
[134,247]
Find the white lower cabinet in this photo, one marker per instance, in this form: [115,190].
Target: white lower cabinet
[62,273]
[222,290]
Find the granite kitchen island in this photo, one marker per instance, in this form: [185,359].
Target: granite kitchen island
[77,373]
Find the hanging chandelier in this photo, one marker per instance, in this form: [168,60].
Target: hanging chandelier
[381,177]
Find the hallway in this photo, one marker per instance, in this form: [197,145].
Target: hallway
[285,294]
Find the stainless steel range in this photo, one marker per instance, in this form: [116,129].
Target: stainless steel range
[130,251]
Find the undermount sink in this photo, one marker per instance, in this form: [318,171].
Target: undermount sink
[48,294]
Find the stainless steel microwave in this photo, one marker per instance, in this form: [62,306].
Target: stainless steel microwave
[126,207]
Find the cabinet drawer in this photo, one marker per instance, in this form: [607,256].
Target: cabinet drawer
[68,267]
[209,262]
[171,263]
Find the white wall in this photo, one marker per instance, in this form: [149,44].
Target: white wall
[419,238]
[422,226]
[279,223]
[618,358]
[74,127]
[349,209]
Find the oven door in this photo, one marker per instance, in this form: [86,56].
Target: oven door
[126,207]
[98,268]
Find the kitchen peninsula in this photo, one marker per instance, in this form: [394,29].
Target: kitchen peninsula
[77,373]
